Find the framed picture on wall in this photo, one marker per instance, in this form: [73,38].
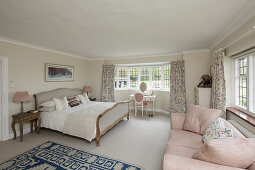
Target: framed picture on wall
[56,72]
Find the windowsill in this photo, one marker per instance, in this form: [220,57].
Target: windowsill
[244,116]
[130,89]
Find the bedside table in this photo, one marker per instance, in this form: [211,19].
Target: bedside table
[26,117]
[92,99]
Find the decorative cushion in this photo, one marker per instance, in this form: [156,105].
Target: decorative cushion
[73,101]
[61,104]
[47,109]
[84,98]
[49,103]
[199,118]
[217,130]
[236,133]
[235,152]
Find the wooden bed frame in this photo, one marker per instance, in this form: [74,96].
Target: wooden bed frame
[66,92]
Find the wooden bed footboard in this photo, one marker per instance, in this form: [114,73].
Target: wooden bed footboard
[115,122]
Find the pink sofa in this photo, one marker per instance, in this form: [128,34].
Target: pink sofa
[183,144]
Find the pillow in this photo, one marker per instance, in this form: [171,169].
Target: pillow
[199,118]
[49,103]
[73,101]
[235,152]
[47,109]
[217,130]
[84,98]
[61,104]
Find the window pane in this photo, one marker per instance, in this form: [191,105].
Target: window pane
[243,66]
[241,71]
[167,76]
[156,77]
[244,92]
[243,83]
[244,104]
[240,101]
[123,77]
[245,70]
[145,75]
[245,62]
[133,77]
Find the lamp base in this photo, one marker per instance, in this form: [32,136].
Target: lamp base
[22,108]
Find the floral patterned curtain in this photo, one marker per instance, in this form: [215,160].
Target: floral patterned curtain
[108,83]
[177,90]
[218,82]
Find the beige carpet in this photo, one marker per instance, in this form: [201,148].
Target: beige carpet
[140,141]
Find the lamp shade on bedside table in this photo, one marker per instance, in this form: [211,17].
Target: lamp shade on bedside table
[87,89]
[21,97]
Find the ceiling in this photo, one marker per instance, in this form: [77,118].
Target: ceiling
[116,28]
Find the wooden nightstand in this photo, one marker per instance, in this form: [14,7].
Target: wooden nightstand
[26,117]
[92,99]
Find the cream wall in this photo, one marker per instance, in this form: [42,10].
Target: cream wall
[196,65]
[26,69]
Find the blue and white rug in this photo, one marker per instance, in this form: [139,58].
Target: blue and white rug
[51,156]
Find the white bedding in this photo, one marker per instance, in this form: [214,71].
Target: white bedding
[56,120]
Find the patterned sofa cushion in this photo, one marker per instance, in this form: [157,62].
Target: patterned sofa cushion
[217,130]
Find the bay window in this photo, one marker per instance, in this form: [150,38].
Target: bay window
[156,77]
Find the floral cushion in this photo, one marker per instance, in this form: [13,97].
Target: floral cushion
[217,130]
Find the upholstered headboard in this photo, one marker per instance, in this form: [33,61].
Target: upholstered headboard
[57,93]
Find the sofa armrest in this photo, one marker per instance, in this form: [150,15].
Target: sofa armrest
[174,162]
[177,120]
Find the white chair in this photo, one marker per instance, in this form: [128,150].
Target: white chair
[139,103]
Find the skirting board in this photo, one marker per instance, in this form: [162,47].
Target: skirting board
[156,110]
[25,131]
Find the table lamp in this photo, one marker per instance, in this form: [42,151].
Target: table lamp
[87,89]
[21,97]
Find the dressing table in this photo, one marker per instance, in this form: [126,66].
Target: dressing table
[147,97]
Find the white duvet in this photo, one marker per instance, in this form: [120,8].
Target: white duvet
[77,121]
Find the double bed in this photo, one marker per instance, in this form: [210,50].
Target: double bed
[89,121]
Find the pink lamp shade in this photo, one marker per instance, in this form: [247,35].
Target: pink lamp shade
[87,88]
[21,97]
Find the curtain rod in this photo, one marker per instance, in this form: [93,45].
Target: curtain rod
[240,38]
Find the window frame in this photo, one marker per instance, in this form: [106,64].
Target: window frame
[149,85]
[250,91]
